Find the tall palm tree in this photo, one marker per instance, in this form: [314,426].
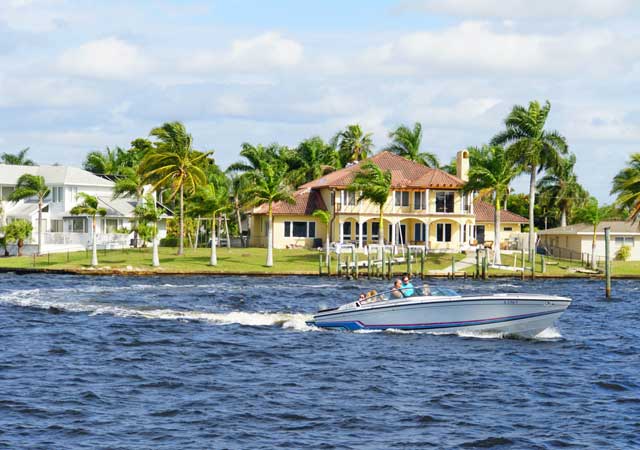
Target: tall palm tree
[238,187]
[374,184]
[268,184]
[212,200]
[109,162]
[560,184]
[627,185]
[19,159]
[173,162]
[255,156]
[406,142]
[593,214]
[491,175]
[325,217]
[148,212]
[32,186]
[312,159]
[353,144]
[89,207]
[533,147]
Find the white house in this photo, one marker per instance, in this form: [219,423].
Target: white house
[62,230]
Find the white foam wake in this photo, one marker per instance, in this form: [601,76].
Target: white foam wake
[32,299]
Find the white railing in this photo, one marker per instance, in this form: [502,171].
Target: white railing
[85,238]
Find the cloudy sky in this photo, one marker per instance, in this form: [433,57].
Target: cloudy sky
[80,75]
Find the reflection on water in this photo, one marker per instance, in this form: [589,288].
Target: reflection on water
[208,362]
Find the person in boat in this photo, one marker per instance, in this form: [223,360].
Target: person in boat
[362,297]
[407,288]
[396,290]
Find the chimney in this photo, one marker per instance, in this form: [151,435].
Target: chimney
[462,165]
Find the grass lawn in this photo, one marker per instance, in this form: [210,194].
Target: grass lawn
[234,260]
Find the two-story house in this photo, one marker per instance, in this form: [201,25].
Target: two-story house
[62,230]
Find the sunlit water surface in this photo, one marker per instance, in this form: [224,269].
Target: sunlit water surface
[209,362]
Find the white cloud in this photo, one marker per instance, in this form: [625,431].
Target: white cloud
[45,92]
[266,51]
[109,58]
[37,16]
[518,9]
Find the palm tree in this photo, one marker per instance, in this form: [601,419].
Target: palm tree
[627,185]
[18,159]
[255,156]
[148,212]
[89,207]
[561,186]
[19,230]
[353,145]
[491,175]
[406,143]
[324,216]
[237,185]
[32,186]
[312,159]
[212,200]
[268,184]
[174,162]
[593,214]
[109,162]
[374,185]
[533,147]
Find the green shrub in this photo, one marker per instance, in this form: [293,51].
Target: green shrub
[169,242]
[623,253]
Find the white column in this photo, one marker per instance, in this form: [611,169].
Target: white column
[341,231]
[359,234]
[426,234]
[427,200]
[393,234]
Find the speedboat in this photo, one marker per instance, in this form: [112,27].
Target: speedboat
[444,310]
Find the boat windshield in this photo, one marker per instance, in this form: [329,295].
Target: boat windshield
[443,292]
[418,291]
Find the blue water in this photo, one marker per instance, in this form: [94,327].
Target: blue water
[204,362]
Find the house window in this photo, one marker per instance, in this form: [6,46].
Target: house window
[444,202]
[364,230]
[375,230]
[508,228]
[78,225]
[443,232]
[346,230]
[348,198]
[57,194]
[624,240]
[300,229]
[56,226]
[5,192]
[466,207]
[111,225]
[419,200]
[420,232]
[402,198]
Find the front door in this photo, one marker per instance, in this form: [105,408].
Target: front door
[480,234]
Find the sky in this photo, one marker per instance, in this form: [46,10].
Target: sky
[81,75]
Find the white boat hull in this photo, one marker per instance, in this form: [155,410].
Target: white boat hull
[521,314]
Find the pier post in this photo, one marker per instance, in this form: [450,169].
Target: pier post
[329,265]
[607,262]
[355,262]
[544,267]
[320,264]
[339,256]
[453,266]
[409,260]
[390,265]
[484,266]
[368,265]
[382,264]
[422,265]
[477,263]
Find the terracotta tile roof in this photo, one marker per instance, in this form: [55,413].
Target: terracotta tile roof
[306,202]
[485,212]
[404,174]
[617,227]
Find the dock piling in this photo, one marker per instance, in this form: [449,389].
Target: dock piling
[607,263]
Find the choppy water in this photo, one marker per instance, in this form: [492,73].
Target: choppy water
[204,362]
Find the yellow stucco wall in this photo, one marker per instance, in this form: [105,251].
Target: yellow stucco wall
[259,231]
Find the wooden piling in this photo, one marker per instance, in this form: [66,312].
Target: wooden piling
[422,265]
[355,263]
[339,255]
[368,265]
[607,263]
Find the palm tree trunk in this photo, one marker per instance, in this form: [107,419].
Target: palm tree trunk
[213,260]
[326,246]
[155,260]
[594,266]
[238,218]
[532,201]
[226,231]
[381,229]
[40,231]
[269,238]
[181,238]
[563,217]
[497,259]
[94,249]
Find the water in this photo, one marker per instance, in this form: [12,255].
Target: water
[204,362]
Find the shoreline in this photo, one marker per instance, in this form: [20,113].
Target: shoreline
[146,273]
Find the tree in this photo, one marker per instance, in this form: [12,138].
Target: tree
[19,159]
[32,186]
[312,159]
[212,200]
[353,145]
[173,162]
[148,214]
[561,187]
[324,217]
[237,185]
[18,231]
[491,176]
[110,162]
[374,185]
[268,184]
[627,185]
[89,207]
[593,214]
[533,147]
[406,142]
[255,157]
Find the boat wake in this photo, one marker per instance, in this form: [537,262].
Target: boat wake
[32,299]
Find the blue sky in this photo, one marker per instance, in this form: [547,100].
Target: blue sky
[77,76]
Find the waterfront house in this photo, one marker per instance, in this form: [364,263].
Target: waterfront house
[426,207]
[575,240]
[62,230]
